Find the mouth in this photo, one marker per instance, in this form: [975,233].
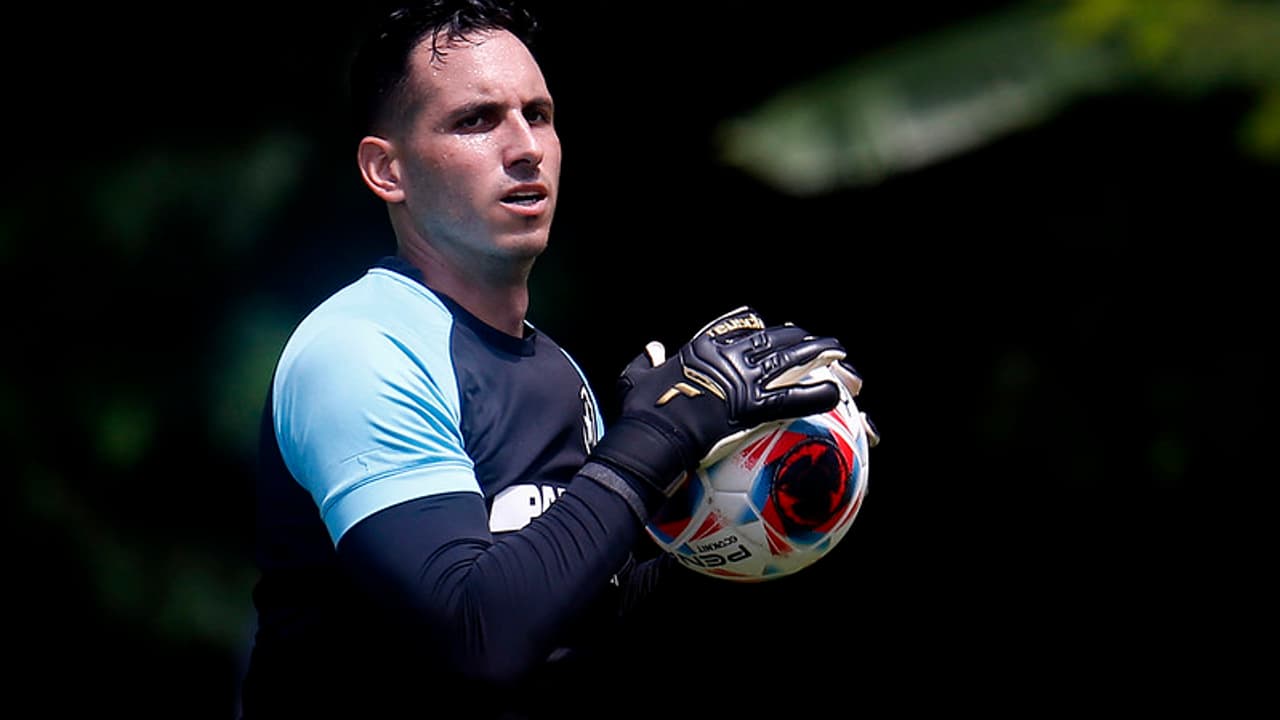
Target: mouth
[523,198]
[529,199]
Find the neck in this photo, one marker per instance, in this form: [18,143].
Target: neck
[499,299]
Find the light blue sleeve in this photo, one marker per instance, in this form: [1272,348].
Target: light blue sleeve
[366,420]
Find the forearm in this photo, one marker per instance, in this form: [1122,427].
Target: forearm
[492,607]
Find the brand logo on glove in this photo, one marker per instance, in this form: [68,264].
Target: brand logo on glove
[741,322]
[688,390]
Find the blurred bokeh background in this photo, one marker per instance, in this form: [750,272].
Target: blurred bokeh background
[1041,228]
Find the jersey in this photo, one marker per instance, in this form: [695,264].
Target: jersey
[397,418]
[437,402]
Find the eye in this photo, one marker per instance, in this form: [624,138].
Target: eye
[471,122]
[477,119]
[538,115]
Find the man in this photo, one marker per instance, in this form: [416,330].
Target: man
[445,529]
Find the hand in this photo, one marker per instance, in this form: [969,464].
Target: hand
[852,382]
[733,375]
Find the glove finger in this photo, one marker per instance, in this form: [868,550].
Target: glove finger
[654,354]
[847,377]
[799,401]
[780,336]
[639,362]
[873,435]
[792,364]
[732,323]
[657,353]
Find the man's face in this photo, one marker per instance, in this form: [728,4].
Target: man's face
[480,153]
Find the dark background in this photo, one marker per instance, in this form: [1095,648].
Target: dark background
[1061,333]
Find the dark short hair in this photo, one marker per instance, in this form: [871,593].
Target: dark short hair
[380,67]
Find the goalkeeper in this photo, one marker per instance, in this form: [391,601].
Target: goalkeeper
[444,526]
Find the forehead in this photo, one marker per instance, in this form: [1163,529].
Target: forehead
[492,64]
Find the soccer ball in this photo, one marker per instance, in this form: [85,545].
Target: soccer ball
[781,498]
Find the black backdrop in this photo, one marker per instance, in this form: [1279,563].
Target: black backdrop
[1061,333]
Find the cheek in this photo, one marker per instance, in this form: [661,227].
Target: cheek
[440,177]
[551,165]
[459,166]
[551,150]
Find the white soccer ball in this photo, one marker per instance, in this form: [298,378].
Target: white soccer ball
[780,499]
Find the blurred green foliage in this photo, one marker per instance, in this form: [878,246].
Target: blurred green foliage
[964,86]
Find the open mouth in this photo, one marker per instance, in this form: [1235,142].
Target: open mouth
[524,198]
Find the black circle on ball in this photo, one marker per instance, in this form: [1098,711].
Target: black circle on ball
[812,483]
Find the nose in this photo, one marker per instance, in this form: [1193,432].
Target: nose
[524,147]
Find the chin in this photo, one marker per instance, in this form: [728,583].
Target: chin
[531,241]
[525,247]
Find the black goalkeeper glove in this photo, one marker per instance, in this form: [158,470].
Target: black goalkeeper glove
[734,375]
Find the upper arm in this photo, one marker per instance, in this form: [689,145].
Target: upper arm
[364,422]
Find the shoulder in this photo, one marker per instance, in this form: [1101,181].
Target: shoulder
[381,310]
[381,329]
[379,298]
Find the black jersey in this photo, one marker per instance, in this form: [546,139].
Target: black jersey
[397,419]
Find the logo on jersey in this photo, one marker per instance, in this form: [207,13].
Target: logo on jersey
[590,430]
[514,507]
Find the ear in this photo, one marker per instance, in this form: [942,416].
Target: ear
[378,165]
